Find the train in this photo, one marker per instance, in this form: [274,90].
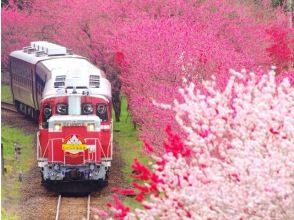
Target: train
[71,100]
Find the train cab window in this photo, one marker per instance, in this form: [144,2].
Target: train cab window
[62,109]
[47,113]
[87,108]
[102,111]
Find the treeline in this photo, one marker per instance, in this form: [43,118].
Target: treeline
[151,48]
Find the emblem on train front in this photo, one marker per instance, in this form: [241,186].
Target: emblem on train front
[74,144]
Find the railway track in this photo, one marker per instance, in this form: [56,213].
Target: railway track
[8,106]
[73,208]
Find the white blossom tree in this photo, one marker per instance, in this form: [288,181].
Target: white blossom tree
[237,160]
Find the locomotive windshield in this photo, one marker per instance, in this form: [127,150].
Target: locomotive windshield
[102,112]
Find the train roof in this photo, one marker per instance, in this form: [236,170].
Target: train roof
[63,69]
[42,50]
[72,72]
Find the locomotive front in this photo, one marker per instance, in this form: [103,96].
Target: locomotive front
[75,123]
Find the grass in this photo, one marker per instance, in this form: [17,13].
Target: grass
[11,136]
[127,138]
[130,147]
[6,216]
[6,95]
[10,191]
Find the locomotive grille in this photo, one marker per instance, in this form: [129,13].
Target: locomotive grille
[94,81]
[59,81]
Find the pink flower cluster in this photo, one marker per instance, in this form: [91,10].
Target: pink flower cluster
[151,45]
[237,159]
[191,40]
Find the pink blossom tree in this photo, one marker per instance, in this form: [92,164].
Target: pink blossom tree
[280,51]
[14,31]
[186,39]
[236,161]
[149,46]
[82,26]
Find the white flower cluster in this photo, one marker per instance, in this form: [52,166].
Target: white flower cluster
[242,163]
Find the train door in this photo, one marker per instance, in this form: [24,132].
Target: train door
[40,81]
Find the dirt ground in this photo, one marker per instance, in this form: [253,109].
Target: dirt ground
[36,202]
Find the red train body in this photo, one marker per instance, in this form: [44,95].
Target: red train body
[72,100]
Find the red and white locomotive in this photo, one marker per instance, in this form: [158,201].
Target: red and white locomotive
[72,100]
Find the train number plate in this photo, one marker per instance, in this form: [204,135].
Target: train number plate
[74,147]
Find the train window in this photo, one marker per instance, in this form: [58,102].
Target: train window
[40,83]
[94,81]
[87,108]
[62,109]
[59,81]
[47,112]
[81,87]
[39,89]
[102,111]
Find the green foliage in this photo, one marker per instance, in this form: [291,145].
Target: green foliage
[127,138]
[10,136]
[7,216]
[14,167]
[130,148]
[6,95]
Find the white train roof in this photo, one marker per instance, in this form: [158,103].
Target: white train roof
[64,69]
[42,50]
[67,73]
[49,48]
[33,59]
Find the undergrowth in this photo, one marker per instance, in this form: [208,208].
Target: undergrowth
[15,166]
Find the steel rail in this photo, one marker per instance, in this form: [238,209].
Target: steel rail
[88,207]
[59,205]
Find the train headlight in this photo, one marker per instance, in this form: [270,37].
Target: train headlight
[87,109]
[61,109]
[102,111]
[57,127]
[92,166]
[91,127]
[47,111]
[101,108]
[56,167]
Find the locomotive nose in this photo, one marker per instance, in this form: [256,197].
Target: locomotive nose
[75,139]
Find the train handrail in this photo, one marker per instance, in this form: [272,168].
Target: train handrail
[51,143]
[100,145]
[52,146]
